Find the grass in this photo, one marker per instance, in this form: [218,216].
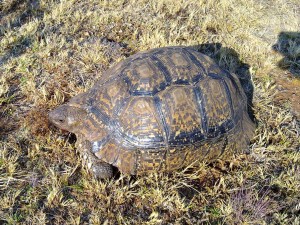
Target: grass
[53,50]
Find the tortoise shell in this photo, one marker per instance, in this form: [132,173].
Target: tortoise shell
[164,109]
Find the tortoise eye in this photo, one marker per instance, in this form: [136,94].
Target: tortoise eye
[60,119]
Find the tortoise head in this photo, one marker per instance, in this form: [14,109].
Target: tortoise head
[75,117]
[68,117]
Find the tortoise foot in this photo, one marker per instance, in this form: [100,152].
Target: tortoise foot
[98,168]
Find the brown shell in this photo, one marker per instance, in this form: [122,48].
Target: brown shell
[166,108]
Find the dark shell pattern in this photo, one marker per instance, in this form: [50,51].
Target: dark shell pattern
[166,108]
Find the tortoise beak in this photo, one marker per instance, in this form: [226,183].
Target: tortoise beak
[58,116]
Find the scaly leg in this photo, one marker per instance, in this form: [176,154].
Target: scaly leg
[99,168]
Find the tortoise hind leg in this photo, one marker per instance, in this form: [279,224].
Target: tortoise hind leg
[97,167]
[101,169]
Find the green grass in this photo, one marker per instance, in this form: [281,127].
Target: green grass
[53,50]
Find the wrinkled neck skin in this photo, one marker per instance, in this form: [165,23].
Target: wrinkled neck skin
[81,119]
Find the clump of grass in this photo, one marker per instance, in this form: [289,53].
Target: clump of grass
[289,46]
[250,207]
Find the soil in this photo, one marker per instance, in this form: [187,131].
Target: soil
[288,87]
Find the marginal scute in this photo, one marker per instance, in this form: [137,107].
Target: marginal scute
[176,157]
[150,160]
[196,153]
[215,149]
[234,94]
[93,130]
[127,161]
[110,152]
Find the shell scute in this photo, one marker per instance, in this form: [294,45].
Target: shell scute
[215,102]
[182,117]
[145,77]
[108,99]
[140,122]
[150,160]
[109,152]
[182,65]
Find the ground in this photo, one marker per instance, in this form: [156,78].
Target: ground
[53,50]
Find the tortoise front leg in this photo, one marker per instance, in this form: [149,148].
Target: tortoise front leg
[97,167]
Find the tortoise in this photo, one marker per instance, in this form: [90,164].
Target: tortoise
[158,110]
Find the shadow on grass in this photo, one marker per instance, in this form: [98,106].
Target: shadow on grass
[228,59]
[16,49]
[288,44]
[20,12]
[13,16]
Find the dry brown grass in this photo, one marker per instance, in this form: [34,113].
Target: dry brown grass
[53,50]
